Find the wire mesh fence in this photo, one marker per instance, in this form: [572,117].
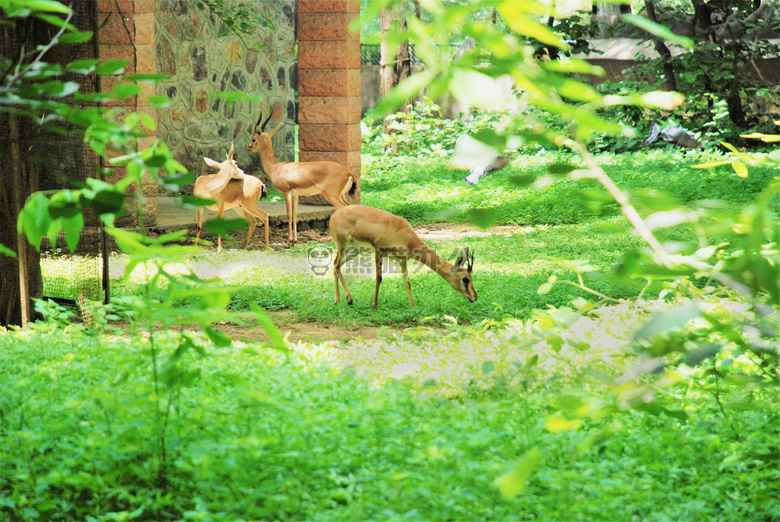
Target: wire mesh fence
[371,54]
[61,159]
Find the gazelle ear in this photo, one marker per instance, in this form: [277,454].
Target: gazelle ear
[271,133]
[463,257]
[230,154]
[211,163]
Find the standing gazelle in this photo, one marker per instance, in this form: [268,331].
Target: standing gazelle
[231,188]
[295,179]
[393,237]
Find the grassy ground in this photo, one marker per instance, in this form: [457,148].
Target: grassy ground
[483,420]
[425,426]
[562,220]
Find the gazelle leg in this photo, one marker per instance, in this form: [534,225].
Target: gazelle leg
[220,213]
[338,276]
[250,220]
[337,202]
[267,231]
[405,273]
[200,224]
[254,211]
[378,259]
[342,256]
[288,199]
[295,218]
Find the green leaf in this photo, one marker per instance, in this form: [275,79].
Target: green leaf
[72,227]
[77,37]
[561,169]
[483,217]
[126,90]
[657,30]
[557,422]
[46,6]
[487,367]
[277,339]
[224,226]
[34,219]
[55,21]
[219,339]
[544,288]
[701,353]
[5,251]
[514,14]
[740,169]
[159,101]
[515,480]
[404,91]
[82,66]
[111,67]
[667,321]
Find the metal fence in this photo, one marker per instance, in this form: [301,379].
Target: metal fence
[58,160]
[370,54]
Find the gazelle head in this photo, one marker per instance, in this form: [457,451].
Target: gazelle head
[260,138]
[229,164]
[460,277]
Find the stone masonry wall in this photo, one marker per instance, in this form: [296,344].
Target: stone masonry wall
[198,61]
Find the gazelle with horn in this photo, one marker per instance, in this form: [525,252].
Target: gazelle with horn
[231,188]
[295,179]
[392,237]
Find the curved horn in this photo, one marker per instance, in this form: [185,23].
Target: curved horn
[260,127]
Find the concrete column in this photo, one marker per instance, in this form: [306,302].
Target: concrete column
[329,83]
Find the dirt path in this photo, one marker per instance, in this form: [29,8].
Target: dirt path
[316,332]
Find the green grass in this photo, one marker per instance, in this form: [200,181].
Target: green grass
[429,190]
[423,425]
[562,220]
[415,427]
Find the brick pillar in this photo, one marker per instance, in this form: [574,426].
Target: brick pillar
[329,83]
[126,32]
[146,63]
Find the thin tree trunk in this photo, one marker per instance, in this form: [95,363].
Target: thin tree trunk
[552,51]
[393,69]
[20,278]
[670,79]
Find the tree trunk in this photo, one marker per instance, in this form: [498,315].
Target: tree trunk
[393,69]
[670,82]
[552,51]
[20,278]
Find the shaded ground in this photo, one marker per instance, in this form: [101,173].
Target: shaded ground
[296,331]
[210,264]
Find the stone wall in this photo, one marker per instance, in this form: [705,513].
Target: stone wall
[198,61]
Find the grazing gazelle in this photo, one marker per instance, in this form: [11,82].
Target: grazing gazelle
[231,188]
[392,236]
[295,179]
